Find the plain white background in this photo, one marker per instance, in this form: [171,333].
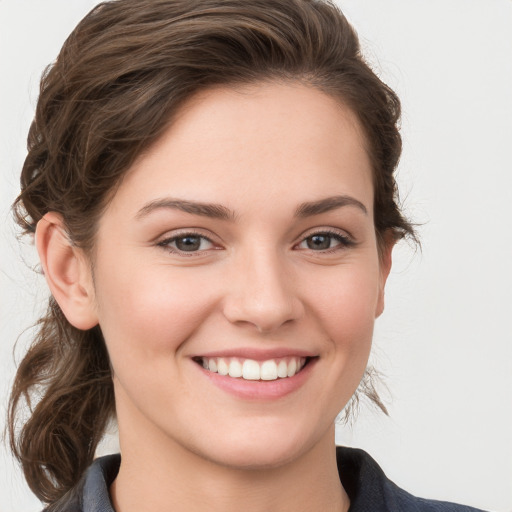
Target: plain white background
[445,340]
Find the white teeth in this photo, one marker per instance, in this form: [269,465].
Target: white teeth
[250,369]
[222,366]
[292,368]
[269,370]
[212,365]
[282,369]
[235,368]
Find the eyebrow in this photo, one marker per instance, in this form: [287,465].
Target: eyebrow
[326,205]
[218,211]
[215,211]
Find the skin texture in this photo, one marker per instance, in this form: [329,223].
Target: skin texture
[254,284]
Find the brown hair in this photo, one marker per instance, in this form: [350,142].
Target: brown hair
[119,78]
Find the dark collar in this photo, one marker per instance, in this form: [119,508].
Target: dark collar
[370,490]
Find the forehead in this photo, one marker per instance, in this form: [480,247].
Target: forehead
[271,142]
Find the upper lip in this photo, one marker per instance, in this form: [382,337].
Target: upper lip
[257,354]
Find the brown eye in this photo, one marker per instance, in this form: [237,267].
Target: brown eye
[319,242]
[188,243]
[325,241]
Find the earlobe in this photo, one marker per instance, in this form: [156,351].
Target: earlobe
[385,261]
[67,272]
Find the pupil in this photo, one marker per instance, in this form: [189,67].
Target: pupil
[188,243]
[319,242]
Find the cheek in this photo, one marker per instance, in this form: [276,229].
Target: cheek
[152,311]
[347,306]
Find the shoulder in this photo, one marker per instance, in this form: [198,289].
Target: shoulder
[91,493]
[370,489]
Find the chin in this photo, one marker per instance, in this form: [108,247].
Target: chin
[259,449]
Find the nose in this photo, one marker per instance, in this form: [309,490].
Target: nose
[262,292]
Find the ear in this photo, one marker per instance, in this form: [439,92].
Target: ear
[385,261]
[67,272]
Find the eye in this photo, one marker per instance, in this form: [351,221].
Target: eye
[325,241]
[187,243]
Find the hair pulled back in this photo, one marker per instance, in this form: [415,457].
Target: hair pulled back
[120,77]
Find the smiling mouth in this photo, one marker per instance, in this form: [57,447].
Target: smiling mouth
[249,369]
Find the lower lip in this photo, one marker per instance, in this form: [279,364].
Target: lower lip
[260,389]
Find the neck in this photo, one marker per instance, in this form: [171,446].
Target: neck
[168,477]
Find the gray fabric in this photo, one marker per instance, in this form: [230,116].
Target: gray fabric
[95,497]
[368,488]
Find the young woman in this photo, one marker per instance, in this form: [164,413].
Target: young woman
[210,185]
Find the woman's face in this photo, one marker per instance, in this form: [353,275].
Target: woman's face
[243,241]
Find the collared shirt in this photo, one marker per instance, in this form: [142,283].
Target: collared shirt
[364,481]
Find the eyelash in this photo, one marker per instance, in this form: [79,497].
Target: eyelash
[344,242]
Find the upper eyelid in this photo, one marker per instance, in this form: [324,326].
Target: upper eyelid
[326,230]
[177,233]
